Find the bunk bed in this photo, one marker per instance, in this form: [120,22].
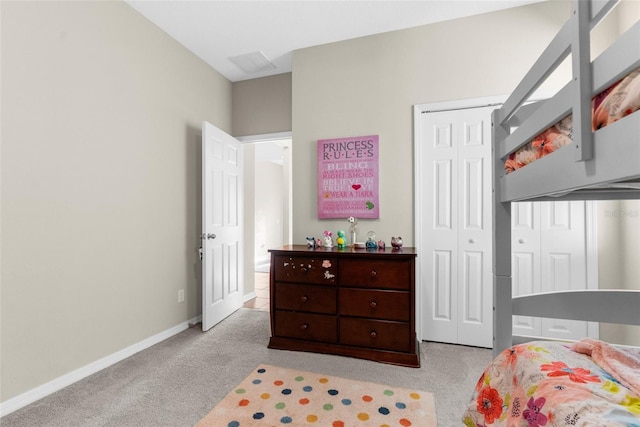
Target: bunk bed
[541,382]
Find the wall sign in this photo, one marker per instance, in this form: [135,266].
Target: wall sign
[348,177]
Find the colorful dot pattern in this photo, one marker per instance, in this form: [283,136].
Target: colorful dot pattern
[277,396]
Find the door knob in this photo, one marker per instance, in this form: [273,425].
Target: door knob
[211,236]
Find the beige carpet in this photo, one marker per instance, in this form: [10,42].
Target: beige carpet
[178,381]
[275,396]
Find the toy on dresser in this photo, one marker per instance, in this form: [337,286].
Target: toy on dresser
[328,239]
[396,243]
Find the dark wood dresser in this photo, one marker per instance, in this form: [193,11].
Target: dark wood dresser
[348,302]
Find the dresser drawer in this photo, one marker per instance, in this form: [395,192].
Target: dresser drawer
[379,334]
[317,299]
[300,269]
[377,304]
[372,273]
[305,326]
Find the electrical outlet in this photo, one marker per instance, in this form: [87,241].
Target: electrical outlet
[181,295]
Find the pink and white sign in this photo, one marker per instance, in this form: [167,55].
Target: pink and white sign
[348,177]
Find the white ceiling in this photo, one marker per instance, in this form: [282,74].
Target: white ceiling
[215,30]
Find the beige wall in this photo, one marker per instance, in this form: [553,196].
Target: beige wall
[369,86]
[628,12]
[262,105]
[101,123]
[618,255]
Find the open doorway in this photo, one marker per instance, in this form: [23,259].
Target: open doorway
[268,209]
[272,198]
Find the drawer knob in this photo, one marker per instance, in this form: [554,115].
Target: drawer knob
[304,298]
[373,334]
[304,326]
[373,304]
[373,274]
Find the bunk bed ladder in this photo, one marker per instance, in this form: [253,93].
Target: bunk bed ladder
[502,320]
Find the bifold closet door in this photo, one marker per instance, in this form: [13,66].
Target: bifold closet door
[549,253]
[455,259]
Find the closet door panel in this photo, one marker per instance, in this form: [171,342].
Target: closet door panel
[443,322]
[442,198]
[474,180]
[454,209]
[525,260]
[563,263]
[475,279]
[439,257]
[474,313]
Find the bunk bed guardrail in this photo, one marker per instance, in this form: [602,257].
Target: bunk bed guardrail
[575,99]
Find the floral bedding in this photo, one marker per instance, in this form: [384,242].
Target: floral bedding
[544,383]
[619,100]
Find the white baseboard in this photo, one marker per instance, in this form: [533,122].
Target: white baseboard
[249,296]
[59,383]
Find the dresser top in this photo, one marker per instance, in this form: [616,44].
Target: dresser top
[348,251]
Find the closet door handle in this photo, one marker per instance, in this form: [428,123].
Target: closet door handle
[522,241]
[472,240]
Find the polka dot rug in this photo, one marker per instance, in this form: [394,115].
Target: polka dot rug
[279,397]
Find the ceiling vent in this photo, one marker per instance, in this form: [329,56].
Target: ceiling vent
[252,63]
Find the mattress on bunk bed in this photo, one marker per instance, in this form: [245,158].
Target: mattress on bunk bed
[548,383]
[619,100]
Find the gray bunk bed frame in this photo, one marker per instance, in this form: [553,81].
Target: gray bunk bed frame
[597,165]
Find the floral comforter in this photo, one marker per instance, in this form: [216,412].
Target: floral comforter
[619,100]
[545,383]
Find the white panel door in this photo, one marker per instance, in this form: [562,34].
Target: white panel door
[474,228]
[222,231]
[455,259]
[440,256]
[563,263]
[549,253]
[525,264]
